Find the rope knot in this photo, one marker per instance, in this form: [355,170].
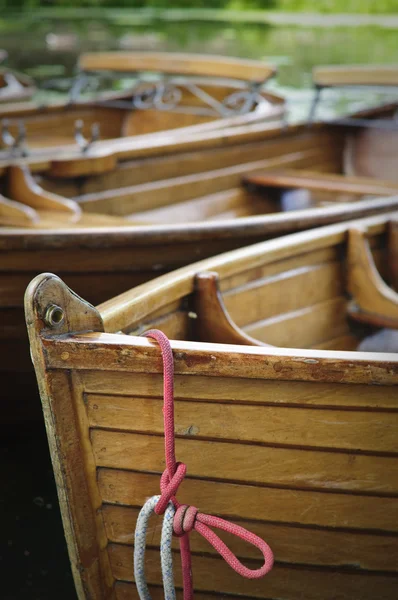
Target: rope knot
[184,519]
[169,487]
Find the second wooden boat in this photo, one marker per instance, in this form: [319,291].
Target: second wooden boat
[186,92]
[172,208]
[115,239]
[295,441]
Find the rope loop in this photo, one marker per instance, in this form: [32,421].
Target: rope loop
[202,526]
[187,518]
[165,550]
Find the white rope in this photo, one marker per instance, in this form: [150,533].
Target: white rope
[166,556]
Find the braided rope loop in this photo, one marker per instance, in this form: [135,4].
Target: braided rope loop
[188,518]
[165,550]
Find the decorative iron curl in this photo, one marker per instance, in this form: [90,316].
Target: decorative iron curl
[241,102]
[162,96]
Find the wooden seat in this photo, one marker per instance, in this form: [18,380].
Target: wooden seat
[177,64]
[352,75]
[290,178]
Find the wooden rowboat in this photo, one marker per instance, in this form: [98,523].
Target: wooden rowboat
[15,87]
[181,210]
[295,440]
[116,155]
[191,92]
[172,222]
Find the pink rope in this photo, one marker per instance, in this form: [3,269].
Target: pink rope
[188,518]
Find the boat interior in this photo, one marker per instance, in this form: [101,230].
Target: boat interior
[329,293]
[281,171]
[169,92]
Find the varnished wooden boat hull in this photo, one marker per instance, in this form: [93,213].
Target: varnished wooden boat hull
[99,263]
[297,444]
[53,127]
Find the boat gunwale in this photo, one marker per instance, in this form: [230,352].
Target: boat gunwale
[176,142]
[217,360]
[127,148]
[101,237]
[123,311]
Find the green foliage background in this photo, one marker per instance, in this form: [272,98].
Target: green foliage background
[323,6]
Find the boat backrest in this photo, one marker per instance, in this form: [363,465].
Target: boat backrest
[353,75]
[374,76]
[177,64]
[324,182]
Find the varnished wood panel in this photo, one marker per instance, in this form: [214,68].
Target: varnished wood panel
[291,290]
[306,507]
[303,427]
[319,470]
[340,75]
[267,270]
[307,327]
[246,391]
[165,167]
[283,582]
[290,544]
[125,201]
[177,64]
[175,325]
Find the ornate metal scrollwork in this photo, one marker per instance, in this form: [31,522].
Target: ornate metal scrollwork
[168,95]
[241,102]
[159,95]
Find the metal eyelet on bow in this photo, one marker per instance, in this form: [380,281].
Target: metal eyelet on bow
[83,142]
[14,142]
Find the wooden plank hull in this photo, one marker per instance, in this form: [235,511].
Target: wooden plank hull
[297,444]
[102,261]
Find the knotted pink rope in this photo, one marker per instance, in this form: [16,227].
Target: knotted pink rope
[188,518]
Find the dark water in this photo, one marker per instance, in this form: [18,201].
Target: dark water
[49,48]
[33,555]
